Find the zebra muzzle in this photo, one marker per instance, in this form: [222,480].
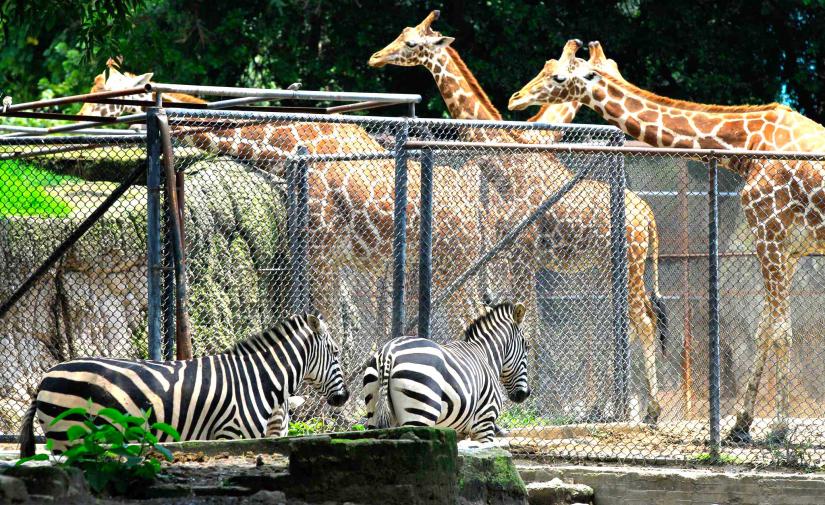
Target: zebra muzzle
[338,399]
[519,395]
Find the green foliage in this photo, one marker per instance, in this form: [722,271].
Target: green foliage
[112,449]
[23,193]
[723,459]
[739,52]
[310,427]
[520,416]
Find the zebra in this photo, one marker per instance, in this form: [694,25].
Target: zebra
[225,396]
[278,424]
[413,381]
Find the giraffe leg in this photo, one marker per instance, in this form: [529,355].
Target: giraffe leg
[774,331]
[641,315]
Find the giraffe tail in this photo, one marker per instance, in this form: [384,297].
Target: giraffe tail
[657,303]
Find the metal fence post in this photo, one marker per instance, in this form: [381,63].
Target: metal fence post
[168,294]
[399,219]
[713,308]
[425,266]
[618,277]
[297,219]
[153,232]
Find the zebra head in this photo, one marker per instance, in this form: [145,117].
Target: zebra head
[514,363]
[323,370]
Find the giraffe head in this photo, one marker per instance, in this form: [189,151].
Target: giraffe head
[113,80]
[564,80]
[414,46]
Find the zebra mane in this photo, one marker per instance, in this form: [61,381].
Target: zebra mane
[279,331]
[486,316]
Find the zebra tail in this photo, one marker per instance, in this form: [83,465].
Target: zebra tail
[383,417]
[27,432]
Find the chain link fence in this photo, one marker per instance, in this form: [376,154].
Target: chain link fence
[610,247]
[92,300]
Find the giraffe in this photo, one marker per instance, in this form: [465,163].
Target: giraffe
[351,203]
[112,79]
[782,200]
[579,222]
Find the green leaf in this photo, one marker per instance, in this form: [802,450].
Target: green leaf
[69,412]
[114,415]
[135,420]
[164,451]
[75,432]
[134,433]
[36,457]
[168,429]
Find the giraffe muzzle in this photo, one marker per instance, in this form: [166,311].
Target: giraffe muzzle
[518,101]
[377,60]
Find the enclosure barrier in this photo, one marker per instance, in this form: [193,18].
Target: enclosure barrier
[388,225]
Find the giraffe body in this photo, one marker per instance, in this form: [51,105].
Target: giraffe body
[574,235]
[783,201]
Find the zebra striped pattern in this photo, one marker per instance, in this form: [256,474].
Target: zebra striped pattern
[230,395]
[417,382]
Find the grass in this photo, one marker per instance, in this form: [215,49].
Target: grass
[526,417]
[23,193]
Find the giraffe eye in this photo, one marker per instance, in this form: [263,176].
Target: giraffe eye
[590,76]
[559,78]
[410,43]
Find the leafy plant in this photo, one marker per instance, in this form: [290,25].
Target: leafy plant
[310,427]
[22,191]
[114,450]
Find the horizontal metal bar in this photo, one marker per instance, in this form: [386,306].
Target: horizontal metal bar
[585,148]
[222,104]
[521,125]
[98,141]
[282,94]
[352,107]
[58,115]
[131,118]
[683,193]
[345,157]
[72,99]
[86,131]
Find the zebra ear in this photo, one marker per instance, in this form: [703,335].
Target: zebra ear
[314,323]
[518,313]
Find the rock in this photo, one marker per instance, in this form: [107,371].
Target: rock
[557,492]
[50,480]
[488,475]
[12,490]
[267,498]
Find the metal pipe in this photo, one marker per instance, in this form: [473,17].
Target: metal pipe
[71,99]
[297,219]
[183,337]
[130,118]
[583,148]
[399,219]
[333,96]
[64,246]
[713,310]
[511,235]
[352,107]
[58,115]
[618,277]
[425,254]
[88,131]
[153,233]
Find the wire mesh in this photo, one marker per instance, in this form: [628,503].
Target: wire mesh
[92,302]
[286,212]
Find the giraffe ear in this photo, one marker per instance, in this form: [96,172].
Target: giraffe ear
[140,80]
[443,41]
[518,313]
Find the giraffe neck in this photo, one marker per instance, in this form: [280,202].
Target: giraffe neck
[664,122]
[458,86]
[556,113]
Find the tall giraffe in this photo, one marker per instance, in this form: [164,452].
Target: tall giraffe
[579,222]
[782,200]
